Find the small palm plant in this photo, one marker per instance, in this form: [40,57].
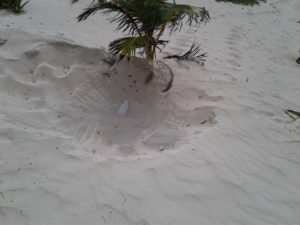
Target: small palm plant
[145,21]
[16,6]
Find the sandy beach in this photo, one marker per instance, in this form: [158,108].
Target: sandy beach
[216,149]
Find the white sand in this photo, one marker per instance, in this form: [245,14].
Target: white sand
[216,149]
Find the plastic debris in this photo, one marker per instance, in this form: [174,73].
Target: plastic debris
[123,109]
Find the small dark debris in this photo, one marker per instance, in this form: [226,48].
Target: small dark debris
[204,122]
[56,148]
[298,60]
[106,74]
[2,42]
[149,77]
[110,61]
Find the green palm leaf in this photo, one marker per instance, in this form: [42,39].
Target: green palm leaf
[124,16]
[16,6]
[127,46]
[177,13]
[292,114]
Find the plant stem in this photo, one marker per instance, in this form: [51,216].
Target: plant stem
[156,41]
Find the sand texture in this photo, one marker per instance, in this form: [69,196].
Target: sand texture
[217,149]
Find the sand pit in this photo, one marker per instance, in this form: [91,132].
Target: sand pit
[66,88]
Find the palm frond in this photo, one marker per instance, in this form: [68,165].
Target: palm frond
[126,22]
[193,54]
[103,5]
[16,6]
[149,13]
[243,2]
[93,1]
[178,13]
[292,114]
[165,66]
[127,46]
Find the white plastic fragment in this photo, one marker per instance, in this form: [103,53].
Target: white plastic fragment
[123,109]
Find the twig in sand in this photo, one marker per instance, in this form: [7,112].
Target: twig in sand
[2,195]
[104,220]
[2,42]
[203,122]
[124,197]
[169,84]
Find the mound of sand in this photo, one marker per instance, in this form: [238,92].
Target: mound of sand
[73,90]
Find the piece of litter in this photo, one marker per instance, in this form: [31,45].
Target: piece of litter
[161,148]
[123,109]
